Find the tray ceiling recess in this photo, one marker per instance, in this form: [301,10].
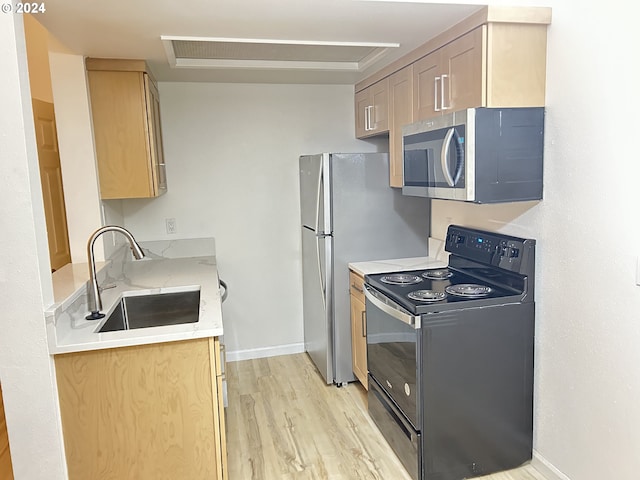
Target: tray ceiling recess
[248,53]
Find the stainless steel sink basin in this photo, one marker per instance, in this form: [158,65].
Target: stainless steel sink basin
[156,310]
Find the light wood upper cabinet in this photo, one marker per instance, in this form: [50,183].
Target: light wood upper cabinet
[126,126]
[372,110]
[451,78]
[425,72]
[494,65]
[400,114]
[495,58]
[144,412]
[358,329]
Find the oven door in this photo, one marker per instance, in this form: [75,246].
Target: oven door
[393,352]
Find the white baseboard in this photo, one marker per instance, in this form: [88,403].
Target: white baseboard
[265,352]
[546,468]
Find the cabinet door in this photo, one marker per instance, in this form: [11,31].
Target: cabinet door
[426,86]
[358,328]
[400,114]
[154,128]
[463,78]
[451,78]
[380,110]
[372,109]
[120,133]
[362,106]
[143,412]
[219,360]
[359,340]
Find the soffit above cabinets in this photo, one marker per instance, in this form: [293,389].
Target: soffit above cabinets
[308,41]
[199,52]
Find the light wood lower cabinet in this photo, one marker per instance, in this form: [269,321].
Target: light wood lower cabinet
[144,412]
[358,329]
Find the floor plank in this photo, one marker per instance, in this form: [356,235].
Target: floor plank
[284,422]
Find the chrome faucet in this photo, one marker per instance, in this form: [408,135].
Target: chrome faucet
[95,302]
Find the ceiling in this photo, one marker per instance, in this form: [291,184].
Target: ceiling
[133,29]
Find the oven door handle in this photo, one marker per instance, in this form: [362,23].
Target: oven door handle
[391,308]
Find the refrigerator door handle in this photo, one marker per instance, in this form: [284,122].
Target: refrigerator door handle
[319,235]
[323,286]
[319,197]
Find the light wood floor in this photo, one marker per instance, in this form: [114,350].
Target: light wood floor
[284,422]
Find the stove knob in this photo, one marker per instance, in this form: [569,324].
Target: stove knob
[460,239]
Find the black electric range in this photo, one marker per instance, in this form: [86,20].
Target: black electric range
[450,357]
[484,269]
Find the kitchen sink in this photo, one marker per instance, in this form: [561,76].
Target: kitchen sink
[154,310]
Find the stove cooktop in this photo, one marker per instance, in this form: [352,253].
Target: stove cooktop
[424,291]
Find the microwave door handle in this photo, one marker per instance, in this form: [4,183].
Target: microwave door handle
[444,153]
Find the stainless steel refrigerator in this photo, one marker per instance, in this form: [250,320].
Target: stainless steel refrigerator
[349,214]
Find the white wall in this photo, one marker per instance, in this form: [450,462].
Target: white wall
[26,369]
[232,166]
[77,154]
[587,407]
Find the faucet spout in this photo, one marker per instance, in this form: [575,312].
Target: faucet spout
[95,301]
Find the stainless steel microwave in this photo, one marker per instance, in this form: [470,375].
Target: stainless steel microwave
[481,155]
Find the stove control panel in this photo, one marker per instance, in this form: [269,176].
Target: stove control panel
[491,248]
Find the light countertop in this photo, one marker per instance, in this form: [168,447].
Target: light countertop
[396,265]
[68,331]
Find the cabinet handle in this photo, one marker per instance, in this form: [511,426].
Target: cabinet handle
[442,106]
[355,287]
[367,119]
[223,351]
[435,93]
[363,322]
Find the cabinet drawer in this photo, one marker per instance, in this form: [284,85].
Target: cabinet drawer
[356,285]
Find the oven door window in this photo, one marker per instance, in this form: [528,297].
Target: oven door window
[392,348]
[423,158]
